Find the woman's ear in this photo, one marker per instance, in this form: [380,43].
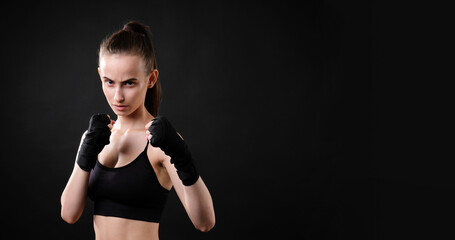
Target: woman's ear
[153,78]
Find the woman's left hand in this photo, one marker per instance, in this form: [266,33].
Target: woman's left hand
[162,134]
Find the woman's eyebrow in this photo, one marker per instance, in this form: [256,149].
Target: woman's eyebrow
[127,80]
[131,79]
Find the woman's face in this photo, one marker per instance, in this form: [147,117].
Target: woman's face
[124,81]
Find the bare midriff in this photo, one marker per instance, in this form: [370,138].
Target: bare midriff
[114,228]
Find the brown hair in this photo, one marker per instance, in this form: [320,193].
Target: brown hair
[136,38]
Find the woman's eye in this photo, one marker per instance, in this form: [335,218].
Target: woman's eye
[128,83]
[109,82]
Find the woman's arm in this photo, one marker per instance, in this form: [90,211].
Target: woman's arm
[93,141]
[196,199]
[74,196]
[75,193]
[178,162]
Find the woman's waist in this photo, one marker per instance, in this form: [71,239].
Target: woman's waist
[116,228]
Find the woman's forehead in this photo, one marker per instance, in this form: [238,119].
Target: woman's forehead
[121,64]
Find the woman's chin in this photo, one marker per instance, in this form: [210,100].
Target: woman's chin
[123,112]
[120,113]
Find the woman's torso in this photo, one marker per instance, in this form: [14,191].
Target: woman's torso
[113,228]
[125,148]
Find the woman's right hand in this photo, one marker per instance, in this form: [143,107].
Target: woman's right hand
[94,140]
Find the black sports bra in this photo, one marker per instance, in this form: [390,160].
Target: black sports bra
[131,191]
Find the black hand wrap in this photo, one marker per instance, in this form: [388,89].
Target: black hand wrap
[165,137]
[94,140]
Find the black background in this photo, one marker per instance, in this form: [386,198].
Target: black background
[309,120]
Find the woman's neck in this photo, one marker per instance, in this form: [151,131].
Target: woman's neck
[135,120]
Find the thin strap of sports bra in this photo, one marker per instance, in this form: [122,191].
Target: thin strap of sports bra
[146,146]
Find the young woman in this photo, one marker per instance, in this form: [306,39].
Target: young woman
[128,166]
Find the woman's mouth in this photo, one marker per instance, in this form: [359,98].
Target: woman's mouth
[119,107]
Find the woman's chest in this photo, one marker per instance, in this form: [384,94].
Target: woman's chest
[122,149]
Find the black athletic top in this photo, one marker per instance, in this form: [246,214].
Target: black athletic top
[131,191]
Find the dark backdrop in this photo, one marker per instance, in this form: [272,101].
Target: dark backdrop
[294,111]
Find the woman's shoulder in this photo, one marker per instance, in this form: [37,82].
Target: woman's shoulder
[155,154]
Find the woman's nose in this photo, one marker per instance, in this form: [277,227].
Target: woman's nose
[118,97]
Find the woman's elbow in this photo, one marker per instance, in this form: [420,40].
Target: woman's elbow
[70,219]
[69,216]
[206,226]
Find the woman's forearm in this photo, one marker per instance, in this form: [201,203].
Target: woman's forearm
[199,205]
[74,196]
